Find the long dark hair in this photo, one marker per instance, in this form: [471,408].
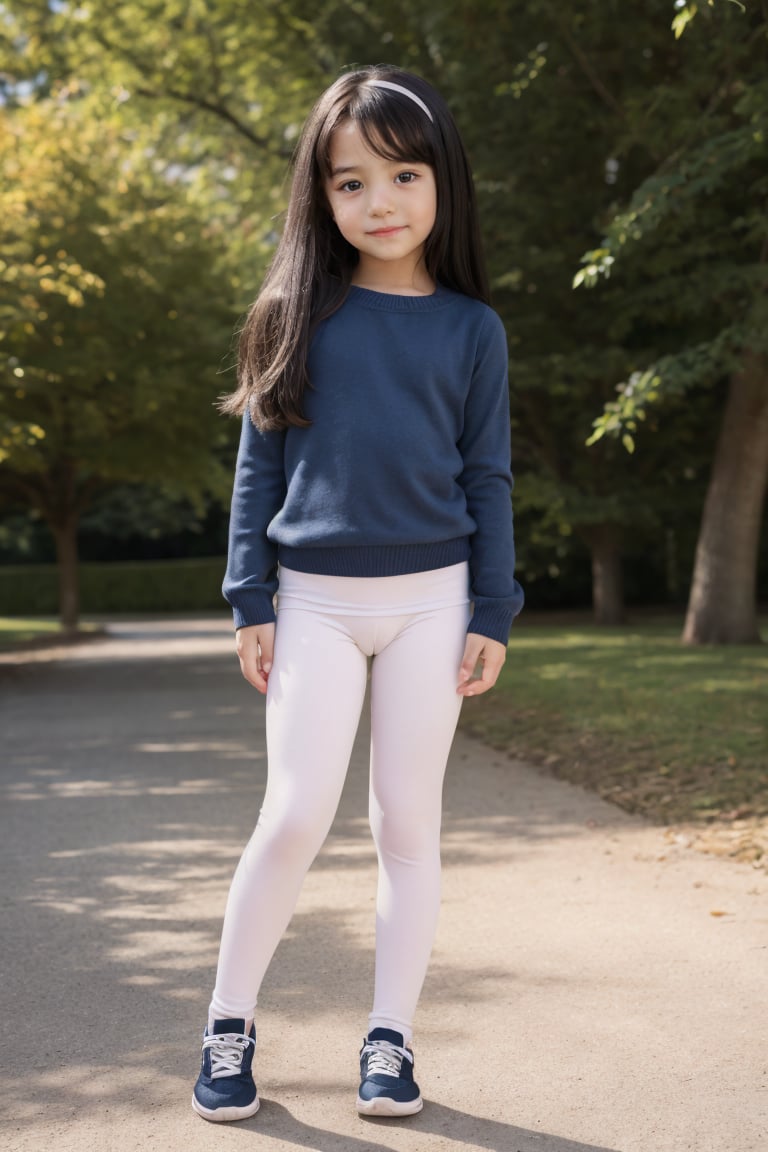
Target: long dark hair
[310,273]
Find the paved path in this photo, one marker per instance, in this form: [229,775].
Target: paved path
[593,988]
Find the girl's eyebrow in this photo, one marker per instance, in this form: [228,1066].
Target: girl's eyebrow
[342,169]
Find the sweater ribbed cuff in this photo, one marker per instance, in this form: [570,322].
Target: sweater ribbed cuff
[492,621]
[252,607]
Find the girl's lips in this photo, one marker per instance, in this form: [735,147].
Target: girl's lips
[385,231]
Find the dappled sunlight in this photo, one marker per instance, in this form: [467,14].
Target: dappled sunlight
[558,671]
[725,686]
[542,638]
[69,905]
[132,649]
[621,642]
[676,657]
[83,1086]
[226,749]
[472,842]
[148,851]
[158,949]
[128,786]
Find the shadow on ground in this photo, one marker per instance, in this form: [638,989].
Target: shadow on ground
[460,1128]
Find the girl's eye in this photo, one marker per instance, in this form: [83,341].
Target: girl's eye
[406,177]
[351,186]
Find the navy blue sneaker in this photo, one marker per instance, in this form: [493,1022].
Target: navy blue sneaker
[225,1089]
[387,1086]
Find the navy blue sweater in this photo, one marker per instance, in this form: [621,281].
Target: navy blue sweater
[404,468]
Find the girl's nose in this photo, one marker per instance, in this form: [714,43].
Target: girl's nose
[379,202]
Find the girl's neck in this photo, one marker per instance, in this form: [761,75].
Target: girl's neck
[394,290]
[393,279]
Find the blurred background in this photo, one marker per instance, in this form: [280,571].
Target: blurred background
[619,150]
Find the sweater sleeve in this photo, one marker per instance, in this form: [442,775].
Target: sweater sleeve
[487,482]
[250,582]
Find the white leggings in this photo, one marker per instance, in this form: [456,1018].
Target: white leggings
[414,626]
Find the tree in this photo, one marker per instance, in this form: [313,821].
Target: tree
[542,128]
[116,307]
[566,111]
[702,204]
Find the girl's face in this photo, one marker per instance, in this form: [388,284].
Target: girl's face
[384,208]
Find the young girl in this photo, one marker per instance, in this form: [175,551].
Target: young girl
[372,494]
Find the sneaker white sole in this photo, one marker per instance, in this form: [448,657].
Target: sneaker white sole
[221,1115]
[384,1106]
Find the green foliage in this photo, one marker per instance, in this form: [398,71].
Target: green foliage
[686,13]
[541,120]
[143,511]
[591,128]
[152,586]
[553,160]
[696,216]
[671,375]
[116,309]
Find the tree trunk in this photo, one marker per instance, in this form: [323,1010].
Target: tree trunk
[722,608]
[65,534]
[607,577]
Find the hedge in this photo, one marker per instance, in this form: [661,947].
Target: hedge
[146,586]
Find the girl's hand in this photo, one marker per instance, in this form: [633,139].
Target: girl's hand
[480,650]
[255,647]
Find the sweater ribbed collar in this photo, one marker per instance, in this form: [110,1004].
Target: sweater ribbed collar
[388,302]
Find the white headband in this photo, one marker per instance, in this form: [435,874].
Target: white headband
[405,91]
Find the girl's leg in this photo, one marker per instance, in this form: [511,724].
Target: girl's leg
[414,712]
[315,697]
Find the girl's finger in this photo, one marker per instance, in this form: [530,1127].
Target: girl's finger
[266,649]
[472,653]
[491,655]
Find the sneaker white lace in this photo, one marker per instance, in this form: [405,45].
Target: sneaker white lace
[227,1050]
[385,1058]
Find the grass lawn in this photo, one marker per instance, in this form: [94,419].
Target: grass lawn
[679,734]
[15,632]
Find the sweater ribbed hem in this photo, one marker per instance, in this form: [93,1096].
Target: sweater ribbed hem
[375,559]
